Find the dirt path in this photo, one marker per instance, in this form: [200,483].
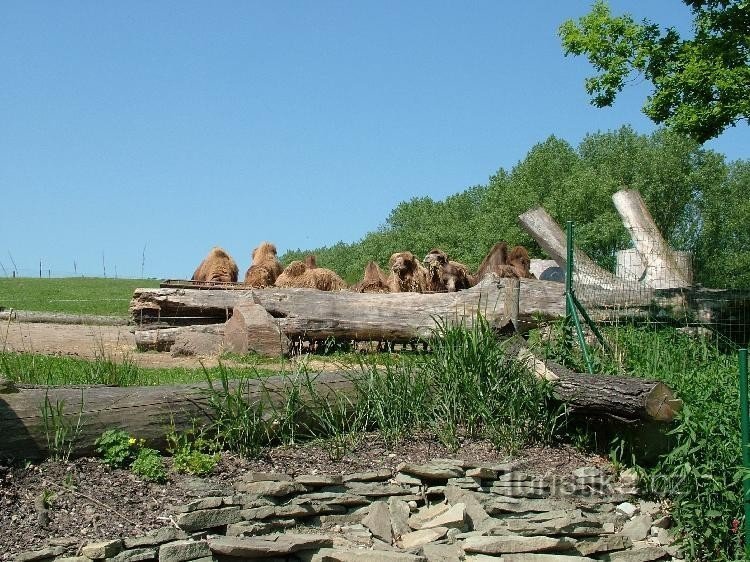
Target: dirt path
[110,342]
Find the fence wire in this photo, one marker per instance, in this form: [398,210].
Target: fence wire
[652,283]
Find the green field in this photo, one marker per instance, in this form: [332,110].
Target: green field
[75,295]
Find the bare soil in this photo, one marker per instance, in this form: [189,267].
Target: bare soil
[89,501]
[116,343]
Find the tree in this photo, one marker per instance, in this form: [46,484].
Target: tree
[701,84]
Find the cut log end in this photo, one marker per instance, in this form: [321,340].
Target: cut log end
[661,405]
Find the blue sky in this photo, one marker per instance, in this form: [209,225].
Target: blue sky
[177,126]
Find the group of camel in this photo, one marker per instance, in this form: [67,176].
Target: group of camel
[407,273]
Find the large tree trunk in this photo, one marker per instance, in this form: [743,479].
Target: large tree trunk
[149,412]
[318,315]
[662,265]
[553,240]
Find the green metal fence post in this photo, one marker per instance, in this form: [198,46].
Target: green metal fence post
[568,269]
[745,423]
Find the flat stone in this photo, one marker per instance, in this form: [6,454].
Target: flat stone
[250,501]
[271,488]
[443,552]
[586,472]
[526,557]
[407,479]
[368,476]
[664,522]
[426,514]
[647,554]
[135,555]
[42,554]
[422,537]
[157,537]
[376,489]
[637,528]
[475,513]
[603,544]
[482,558]
[629,477]
[378,521]
[350,518]
[663,536]
[336,498]
[208,518]
[271,545]
[434,491]
[513,544]
[180,551]
[432,471]
[71,559]
[103,549]
[249,528]
[627,509]
[506,504]
[308,509]
[201,487]
[514,477]
[266,477]
[482,473]
[359,534]
[258,513]
[358,555]
[399,513]
[318,480]
[453,518]
[521,491]
[210,502]
[466,483]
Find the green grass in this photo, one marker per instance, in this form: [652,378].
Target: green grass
[701,473]
[75,295]
[28,368]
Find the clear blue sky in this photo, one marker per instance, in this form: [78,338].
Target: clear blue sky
[182,125]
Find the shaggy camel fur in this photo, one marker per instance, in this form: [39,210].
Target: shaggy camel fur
[265,268]
[373,281]
[218,267]
[298,275]
[444,274]
[407,274]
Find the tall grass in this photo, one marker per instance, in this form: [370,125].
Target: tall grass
[701,474]
[464,387]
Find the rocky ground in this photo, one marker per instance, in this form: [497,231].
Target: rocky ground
[70,504]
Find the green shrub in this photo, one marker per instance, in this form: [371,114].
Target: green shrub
[149,465]
[118,449]
[195,462]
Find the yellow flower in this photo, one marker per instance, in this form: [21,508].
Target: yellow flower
[132,441]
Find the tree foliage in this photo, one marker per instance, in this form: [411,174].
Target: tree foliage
[701,204]
[701,84]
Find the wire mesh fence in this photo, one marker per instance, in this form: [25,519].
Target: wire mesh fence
[651,282]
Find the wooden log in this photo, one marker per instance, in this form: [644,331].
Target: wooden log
[149,412]
[625,398]
[662,269]
[399,317]
[162,339]
[552,239]
[61,318]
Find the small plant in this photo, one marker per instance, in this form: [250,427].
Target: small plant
[61,433]
[191,452]
[149,465]
[117,447]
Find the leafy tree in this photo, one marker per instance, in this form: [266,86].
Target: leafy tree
[700,85]
[700,203]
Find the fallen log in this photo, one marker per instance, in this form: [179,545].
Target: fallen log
[553,240]
[662,265]
[343,315]
[149,412]
[61,318]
